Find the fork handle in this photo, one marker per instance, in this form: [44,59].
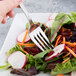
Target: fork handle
[26,13]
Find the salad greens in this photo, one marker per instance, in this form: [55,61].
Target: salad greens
[15,48]
[73,16]
[64,68]
[42,54]
[38,60]
[6,66]
[67,20]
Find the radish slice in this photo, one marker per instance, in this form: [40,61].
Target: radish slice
[17,60]
[21,36]
[73,73]
[49,23]
[57,50]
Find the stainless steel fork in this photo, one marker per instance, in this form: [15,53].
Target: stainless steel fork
[36,33]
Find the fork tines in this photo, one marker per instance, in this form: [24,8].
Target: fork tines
[40,39]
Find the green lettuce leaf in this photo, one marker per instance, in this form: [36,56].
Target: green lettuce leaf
[6,66]
[15,48]
[58,19]
[64,68]
[31,61]
[73,16]
[42,54]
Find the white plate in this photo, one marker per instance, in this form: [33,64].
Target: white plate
[17,27]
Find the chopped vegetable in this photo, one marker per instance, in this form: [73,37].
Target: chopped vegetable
[23,50]
[21,36]
[60,74]
[45,31]
[70,44]
[66,60]
[25,36]
[71,51]
[63,40]
[66,55]
[27,45]
[57,50]
[17,60]
[42,54]
[57,41]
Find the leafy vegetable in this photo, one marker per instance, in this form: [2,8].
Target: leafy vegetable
[58,19]
[53,29]
[73,16]
[5,66]
[38,63]
[15,48]
[64,68]
[27,26]
[42,54]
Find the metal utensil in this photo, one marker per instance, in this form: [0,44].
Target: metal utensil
[36,33]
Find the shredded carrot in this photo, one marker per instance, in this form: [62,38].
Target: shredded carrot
[63,40]
[45,31]
[58,38]
[23,50]
[25,36]
[27,45]
[71,34]
[71,51]
[70,44]
[66,55]
[66,60]
[60,74]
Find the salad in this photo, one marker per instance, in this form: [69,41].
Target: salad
[26,59]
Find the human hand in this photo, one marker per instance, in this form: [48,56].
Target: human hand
[6,8]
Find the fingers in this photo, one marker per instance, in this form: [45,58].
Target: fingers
[7,6]
[18,6]
[10,4]
[11,14]
[4,20]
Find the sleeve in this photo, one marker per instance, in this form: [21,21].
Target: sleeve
[1,18]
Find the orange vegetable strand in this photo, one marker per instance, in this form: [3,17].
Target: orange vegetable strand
[70,44]
[25,36]
[23,50]
[60,74]
[66,60]
[27,45]
[58,38]
[45,31]
[63,40]
[71,51]
[66,55]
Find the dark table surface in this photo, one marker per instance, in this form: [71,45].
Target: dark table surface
[39,6]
